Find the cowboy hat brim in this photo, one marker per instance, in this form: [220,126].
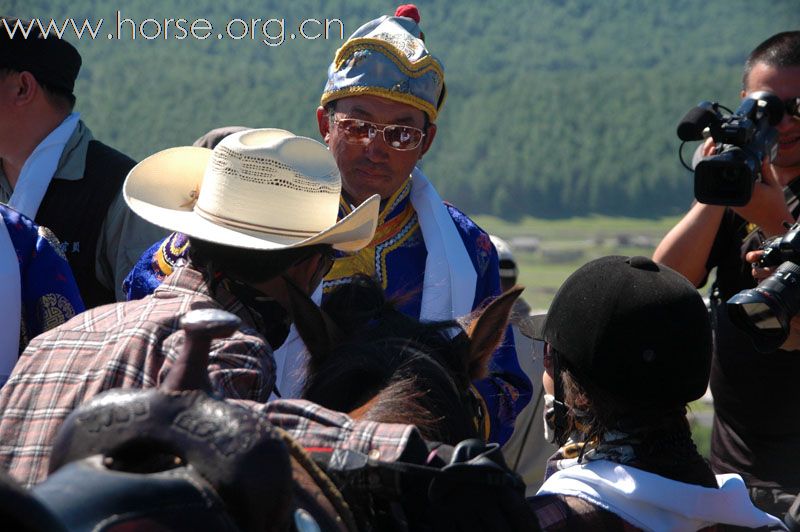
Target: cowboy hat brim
[163,189]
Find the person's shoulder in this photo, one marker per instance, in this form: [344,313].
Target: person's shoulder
[78,332]
[477,244]
[17,223]
[26,235]
[463,222]
[475,239]
[104,156]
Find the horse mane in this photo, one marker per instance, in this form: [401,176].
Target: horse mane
[410,372]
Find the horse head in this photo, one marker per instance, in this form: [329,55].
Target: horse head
[372,361]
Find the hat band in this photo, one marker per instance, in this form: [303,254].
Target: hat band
[402,97]
[252,227]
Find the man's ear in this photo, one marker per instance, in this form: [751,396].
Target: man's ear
[427,140]
[324,124]
[25,89]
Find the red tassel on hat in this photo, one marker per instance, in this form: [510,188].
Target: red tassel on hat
[408,10]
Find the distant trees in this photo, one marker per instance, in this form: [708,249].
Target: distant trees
[555,108]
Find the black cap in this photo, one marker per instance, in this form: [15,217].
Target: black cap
[213,137]
[51,60]
[637,330]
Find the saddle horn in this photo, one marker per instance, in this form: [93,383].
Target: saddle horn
[190,371]
[163,456]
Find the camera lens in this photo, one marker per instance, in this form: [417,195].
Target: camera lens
[761,316]
[724,179]
[765,311]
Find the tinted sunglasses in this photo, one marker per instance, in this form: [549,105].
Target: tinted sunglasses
[357,131]
[793,106]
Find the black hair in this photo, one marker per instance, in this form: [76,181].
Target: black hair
[247,265]
[662,439]
[57,97]
[780,50]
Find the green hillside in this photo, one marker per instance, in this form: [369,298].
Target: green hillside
[555,108]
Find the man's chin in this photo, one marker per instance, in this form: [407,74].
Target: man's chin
[357,197]
[788,159]
[367,187]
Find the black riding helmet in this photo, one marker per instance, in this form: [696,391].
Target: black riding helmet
[637,330]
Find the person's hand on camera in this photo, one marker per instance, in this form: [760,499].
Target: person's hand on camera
[792,342]
[759,273]
[767,206]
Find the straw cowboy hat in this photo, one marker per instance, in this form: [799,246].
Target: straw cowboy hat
[258,189]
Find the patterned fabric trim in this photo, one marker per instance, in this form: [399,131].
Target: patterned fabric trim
[397,222]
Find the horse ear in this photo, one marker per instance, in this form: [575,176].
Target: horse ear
[486,332]
[317,330]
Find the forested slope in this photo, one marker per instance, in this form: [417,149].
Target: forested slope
[555,108]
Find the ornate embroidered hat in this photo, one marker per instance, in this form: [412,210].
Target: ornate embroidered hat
[387,57]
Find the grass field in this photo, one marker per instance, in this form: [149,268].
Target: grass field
[547,251]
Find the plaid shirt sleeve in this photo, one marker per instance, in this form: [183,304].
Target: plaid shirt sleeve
[317,428]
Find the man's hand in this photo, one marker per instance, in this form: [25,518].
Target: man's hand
[758,272]
[792,343]
[767,207]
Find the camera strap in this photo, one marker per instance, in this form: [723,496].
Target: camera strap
[755,237]
[791,193]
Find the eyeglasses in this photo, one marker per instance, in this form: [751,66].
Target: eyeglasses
[793,106]
[357,131]
[326,260]
[325,257]
[324,264]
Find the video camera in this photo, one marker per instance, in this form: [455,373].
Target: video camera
[742,140]
[765,312]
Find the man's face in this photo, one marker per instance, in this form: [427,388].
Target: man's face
[375,167]
[784,82]
[8,91]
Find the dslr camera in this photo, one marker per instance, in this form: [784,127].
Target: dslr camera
[742,139]
[764,312]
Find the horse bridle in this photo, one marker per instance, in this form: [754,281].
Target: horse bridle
[481,420]
[472,398]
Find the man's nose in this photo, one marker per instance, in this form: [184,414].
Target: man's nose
[376,149]
[788,121]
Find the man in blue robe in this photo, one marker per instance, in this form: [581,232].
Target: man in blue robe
[378,116]
[37,287]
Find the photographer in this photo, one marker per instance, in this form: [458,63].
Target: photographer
[755,432]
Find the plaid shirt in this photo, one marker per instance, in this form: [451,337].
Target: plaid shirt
[318,429]
[564,512]
[122,345]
